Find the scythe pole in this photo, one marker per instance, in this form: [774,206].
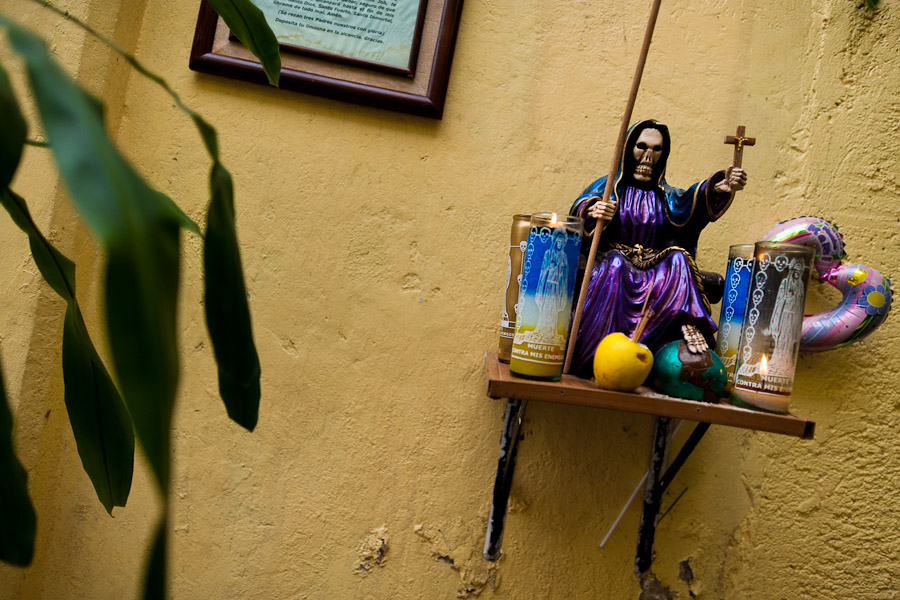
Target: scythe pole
[617,155]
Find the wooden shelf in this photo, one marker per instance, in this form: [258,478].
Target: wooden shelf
[574,390]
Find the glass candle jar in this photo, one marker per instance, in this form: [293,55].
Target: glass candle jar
[734,300]
[770,340]
[518,242]
[545,296]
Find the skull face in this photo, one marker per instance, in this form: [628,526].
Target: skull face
[647,150]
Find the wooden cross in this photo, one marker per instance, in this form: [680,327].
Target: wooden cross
[739,141]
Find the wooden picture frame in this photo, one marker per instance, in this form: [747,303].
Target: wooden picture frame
[422,91]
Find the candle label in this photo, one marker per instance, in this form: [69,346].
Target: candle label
[518,242]
[508,320]
[771,333]
[545,300]
[737,281]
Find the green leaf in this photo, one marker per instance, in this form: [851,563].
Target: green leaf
[55,267]
[209,135]
[140,236]
[227,309]
[141,297]
[101,425]
[88,162]
[179,215]
[14,131]
[17,518]
[155,576]
[225,295]
[248,23]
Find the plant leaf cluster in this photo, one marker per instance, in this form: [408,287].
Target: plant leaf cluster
[138,228]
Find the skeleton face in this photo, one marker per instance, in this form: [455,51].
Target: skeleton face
[647,150]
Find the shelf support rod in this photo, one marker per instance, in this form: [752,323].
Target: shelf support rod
[657,484]
[689,445]
[506,464]
[652,496]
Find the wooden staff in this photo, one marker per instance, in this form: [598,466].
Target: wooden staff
[610,180]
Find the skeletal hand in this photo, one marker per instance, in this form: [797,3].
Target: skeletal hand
[696,343]
[735,180]
[602,210]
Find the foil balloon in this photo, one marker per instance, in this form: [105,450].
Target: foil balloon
[866,292]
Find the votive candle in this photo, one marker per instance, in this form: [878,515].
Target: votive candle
[545,296]
[770,340]
[734,301]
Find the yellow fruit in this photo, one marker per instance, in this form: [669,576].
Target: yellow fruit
[621,364]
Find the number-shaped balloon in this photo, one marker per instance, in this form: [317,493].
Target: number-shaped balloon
[866,292]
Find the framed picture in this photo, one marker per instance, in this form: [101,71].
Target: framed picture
[392,54]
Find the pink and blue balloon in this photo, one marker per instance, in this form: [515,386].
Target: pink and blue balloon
[866,293]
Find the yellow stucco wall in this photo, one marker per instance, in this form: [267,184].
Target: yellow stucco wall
[374,250]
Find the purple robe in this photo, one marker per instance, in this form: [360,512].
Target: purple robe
[647,249]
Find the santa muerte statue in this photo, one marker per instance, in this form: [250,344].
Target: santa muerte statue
[647,249]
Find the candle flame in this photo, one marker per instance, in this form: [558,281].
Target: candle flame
[553,219]
[764,366]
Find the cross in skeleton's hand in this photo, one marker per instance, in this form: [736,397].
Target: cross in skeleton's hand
[739,141]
